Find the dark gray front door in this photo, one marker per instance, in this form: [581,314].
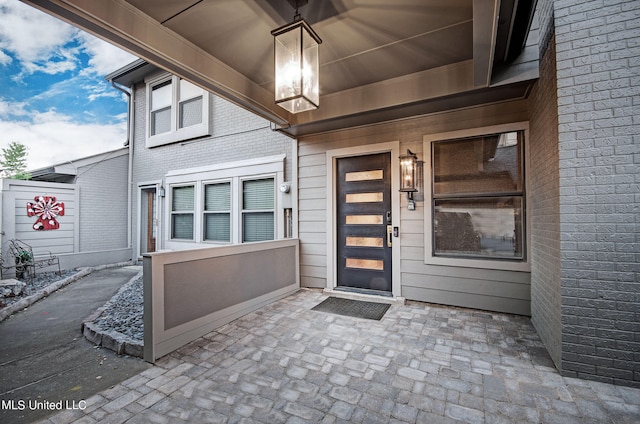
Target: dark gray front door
[364,215]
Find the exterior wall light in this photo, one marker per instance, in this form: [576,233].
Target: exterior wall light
[296,64]
[408,172]
[408,167]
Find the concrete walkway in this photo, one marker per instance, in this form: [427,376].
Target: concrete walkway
[43,356]
[419,364]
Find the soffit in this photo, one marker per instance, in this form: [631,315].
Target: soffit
[376,54]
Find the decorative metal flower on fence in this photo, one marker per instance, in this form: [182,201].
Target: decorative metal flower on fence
[46,208]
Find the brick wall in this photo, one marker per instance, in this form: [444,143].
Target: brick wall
[544,208]
[103,204]
[237,135]
[598,65]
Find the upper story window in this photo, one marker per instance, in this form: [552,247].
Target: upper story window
[477,195]
[160,108]
[177,111]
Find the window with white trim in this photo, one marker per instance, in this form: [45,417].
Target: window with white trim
[177,110]
[160,107]
[182,212]
[258,210]
[477,201]
[253,207]
[217,212]
[233,202]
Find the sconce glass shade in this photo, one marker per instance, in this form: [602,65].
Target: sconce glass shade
[296,67]
[408,167]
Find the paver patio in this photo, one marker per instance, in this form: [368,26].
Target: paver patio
[421,363]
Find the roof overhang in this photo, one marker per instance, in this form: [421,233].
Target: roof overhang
[66,172]
[378,61]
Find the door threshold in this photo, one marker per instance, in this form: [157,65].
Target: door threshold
[365,295]
[363,291]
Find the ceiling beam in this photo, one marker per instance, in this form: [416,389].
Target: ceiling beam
[485,27]
[417,87]
[469,99]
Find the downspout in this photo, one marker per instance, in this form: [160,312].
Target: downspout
[130,111]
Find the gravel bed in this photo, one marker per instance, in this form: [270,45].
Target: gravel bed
[40,281]
[124,312]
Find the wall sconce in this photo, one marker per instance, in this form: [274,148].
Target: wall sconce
[408,167]
[296,64]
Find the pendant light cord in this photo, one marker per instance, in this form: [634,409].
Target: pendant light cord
[297,16]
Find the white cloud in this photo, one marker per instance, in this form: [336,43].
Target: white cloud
[42,43]
[35,37]
[53,138]
[51,67]
[91,87]
[95,91]
[5,59]
[104,57]
[12,109]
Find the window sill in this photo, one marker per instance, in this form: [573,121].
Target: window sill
[184,134]
[499,265]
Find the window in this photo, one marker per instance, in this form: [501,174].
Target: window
[161,108]
[217,212]
[189,105]
[477,197]
[182,211]
[178,110]
[258,210]
[231,202]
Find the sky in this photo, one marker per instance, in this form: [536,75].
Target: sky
[53,95]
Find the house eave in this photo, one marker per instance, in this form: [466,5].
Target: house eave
[484,96]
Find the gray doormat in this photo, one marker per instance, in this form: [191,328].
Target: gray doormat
[352,308]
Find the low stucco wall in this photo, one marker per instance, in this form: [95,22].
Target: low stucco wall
[189,293]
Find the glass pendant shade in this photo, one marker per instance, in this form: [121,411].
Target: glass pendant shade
[296,67]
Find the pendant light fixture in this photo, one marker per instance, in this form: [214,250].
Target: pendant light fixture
[296,64]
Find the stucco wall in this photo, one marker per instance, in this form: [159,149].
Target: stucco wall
[190,293]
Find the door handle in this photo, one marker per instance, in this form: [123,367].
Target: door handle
[389,235]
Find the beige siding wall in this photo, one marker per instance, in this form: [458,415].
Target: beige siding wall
[485,289]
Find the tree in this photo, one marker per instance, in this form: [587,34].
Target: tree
[14,162]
